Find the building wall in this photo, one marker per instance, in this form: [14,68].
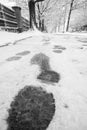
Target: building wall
[24,7]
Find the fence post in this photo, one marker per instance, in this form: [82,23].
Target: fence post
[17,10]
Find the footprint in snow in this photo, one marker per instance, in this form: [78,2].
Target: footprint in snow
[32,109]
[14,58]
[23,53]
[58,49]
[18,56]
[82,40]
[84,44]
[49,76]
[46,41]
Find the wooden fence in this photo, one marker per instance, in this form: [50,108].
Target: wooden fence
[11,20]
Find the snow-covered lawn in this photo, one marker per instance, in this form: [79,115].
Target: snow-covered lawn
[68,56]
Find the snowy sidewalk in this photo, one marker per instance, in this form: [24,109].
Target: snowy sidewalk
[68,57]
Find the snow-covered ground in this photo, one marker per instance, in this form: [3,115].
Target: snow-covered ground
[7,38]
[68,56]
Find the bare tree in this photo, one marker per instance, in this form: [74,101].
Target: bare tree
[42,8]
[32,12]
[69,15]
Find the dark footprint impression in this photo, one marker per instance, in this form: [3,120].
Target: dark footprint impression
[23,53]
[84,45]
[14,58]
[32,109]
[18,56]
[46,41]
[83,40]
[58,49]
[41,60]
[49,76]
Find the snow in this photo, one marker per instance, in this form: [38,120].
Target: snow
[71,63]
[9,38]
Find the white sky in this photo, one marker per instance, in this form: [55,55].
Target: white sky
[3,1]
[6,2]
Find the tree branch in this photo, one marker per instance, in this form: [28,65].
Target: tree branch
[38,1]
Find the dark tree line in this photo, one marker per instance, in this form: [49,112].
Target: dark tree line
[32,4]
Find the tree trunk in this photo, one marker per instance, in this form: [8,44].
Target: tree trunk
[31,5]
[42,24]
[68,22]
